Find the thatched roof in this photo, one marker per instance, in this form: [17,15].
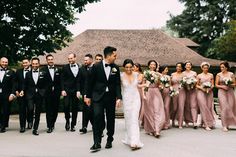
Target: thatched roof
[139,45]
[187,42]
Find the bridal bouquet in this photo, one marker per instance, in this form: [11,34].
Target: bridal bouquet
[173,92]
[188,82]
[227,81]
[207,86]
[151,77]
[165,81]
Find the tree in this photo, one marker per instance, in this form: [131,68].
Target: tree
[224,47]
[35,27]
[203,20]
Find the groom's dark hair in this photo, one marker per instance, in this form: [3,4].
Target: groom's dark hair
[108,51]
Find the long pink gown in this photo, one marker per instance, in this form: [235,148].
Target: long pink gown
[141,112]
[167,100]
[227,102]
[154,115]
[191,107]
[178,100]
[205,101]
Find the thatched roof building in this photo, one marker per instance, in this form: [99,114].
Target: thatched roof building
[139,45]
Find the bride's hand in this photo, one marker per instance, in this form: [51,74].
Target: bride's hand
[118,103]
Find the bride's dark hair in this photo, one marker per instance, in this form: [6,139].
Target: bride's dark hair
[128,61]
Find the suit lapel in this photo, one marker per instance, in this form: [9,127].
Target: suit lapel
[103,71]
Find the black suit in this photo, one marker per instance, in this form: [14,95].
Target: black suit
[23,104]
[103,99]
[52,97]
[35,94]
[69,83]
[85,73]
[7,87]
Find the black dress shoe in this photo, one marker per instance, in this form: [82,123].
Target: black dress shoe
[83,130]
[67,126]
[35,132]
[72,129]
[3,130]
[49,130]
[22,130]
[30,125]
[108,145]
[96,147]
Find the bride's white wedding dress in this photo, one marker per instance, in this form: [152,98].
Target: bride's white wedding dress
[131,102]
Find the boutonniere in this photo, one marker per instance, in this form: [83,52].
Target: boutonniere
[7,71]
[114,70]
[40,73]
[56,70]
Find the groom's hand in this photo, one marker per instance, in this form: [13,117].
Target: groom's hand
[87,101]
[118,103]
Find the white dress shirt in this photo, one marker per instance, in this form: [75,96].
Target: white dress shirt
[25,71]
[107,70]
[75,69]
[51,71]
[35,76]
[2,73]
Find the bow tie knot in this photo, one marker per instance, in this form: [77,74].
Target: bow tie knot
[2,70]
[35,71]
[107,65]
[51,67]
[72,65]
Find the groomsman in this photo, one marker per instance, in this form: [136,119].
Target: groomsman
[85,73]
[34,88]
[98,58]
[53,92]
[70,91]
[7,78]
[23,105]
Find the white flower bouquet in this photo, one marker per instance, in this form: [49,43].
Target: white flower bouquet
[207,86]
[173,92]
[151,77]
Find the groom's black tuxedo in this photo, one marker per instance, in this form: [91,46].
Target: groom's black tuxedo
[104,93]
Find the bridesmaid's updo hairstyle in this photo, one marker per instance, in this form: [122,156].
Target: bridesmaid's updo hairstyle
[226,64]
[163,67]
[205,63]
[128,61]
[186,62]
[149,62]
[182,65]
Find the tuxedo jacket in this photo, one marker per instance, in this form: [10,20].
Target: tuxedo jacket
[29,86]
[53,84]
[19,81]
[96,86]
[84,75]
[7,86]
[69,83]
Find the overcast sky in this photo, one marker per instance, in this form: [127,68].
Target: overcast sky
[126,14]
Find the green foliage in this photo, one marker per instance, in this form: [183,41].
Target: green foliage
[224,47]
[203,20]
[34,27]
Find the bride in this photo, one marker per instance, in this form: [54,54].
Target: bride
[132,103]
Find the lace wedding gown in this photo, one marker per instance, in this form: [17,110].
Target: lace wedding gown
[131,102]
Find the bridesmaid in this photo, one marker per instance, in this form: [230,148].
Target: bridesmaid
[154,115]
[226,95]
[178,100]
[191,108]
[137,68]
[205,84]
[165,88]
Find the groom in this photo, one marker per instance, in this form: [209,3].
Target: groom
[104,90]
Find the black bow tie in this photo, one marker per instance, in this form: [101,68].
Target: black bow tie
[35,71]
[2,70]
[72,65]
[51,67]
[26,69]
[106,65]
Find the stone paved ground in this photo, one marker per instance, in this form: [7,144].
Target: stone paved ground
[173,143]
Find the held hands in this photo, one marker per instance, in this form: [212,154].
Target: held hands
[87,101]
[63,93]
